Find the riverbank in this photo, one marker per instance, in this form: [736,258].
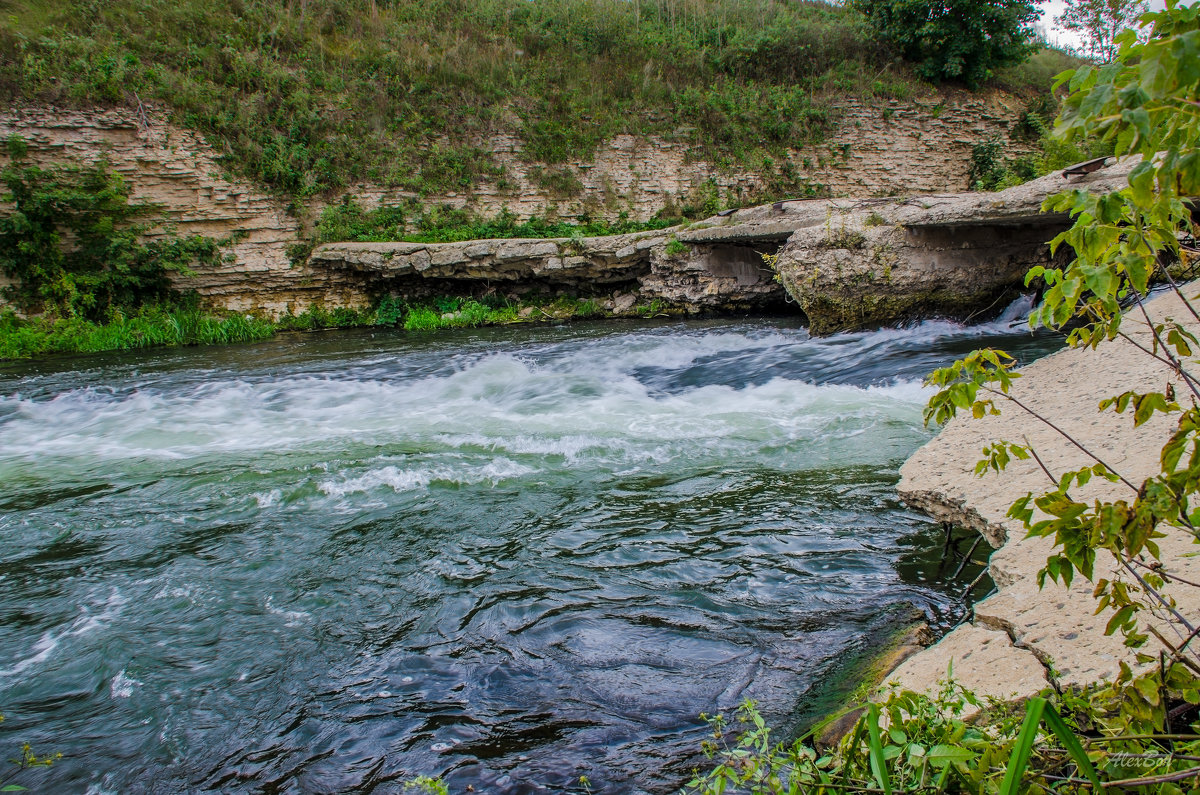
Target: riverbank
[172,326]
[1024,639]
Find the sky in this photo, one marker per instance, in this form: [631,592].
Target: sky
[1065,38]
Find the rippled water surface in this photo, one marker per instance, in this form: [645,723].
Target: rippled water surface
[510,557]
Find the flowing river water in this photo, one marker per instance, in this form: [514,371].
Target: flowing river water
[510,557]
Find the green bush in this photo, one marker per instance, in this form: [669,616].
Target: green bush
[76,246]
[960,40]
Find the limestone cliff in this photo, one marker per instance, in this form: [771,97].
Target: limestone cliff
[877,149]
[177,169]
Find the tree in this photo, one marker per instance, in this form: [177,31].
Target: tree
[1147,102]
[1100,22]
[960,40]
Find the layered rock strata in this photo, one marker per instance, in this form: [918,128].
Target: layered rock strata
[179,171]
[876,148]
[726,276]
[1024,638]
[873,262]
[844,263]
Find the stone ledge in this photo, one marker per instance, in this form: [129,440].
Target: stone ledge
[983,660]
[1054,625]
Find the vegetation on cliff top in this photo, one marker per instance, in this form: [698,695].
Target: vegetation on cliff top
[348,220]
[308,97]
[956,39]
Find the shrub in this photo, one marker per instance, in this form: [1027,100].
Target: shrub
[959,40]
[74,245]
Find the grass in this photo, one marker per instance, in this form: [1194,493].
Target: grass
[415,222]
[151,327]
[445,313]
[166,325]
[311,96]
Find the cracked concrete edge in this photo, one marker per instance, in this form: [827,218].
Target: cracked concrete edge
[1055,629]
[981,659]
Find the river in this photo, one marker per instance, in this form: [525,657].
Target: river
[510,557]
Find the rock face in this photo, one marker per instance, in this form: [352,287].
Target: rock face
[645,267]
[175,168]
[1057,626]
[872,262]
[876,148]
[713,265]
[845,263]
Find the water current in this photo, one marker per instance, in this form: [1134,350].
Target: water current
[510,557]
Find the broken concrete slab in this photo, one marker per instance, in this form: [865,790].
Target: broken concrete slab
[1057,625]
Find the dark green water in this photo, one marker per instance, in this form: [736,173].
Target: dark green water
[509,557]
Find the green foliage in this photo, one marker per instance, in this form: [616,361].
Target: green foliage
[184,323]
[317,317]
[310,97]
[1100,22]
[413,222]
[991,171]
[150,326]
[427,785]
[76,246]
[987,167]
[959,40]
[1144,104]
[560,181]
[347,221]
[26,760]
[448,312]
[907,742]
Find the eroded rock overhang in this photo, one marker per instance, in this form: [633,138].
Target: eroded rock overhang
[879,261]
[727,273]
[844,263]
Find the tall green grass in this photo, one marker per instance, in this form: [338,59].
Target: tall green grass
[150,327]
[314,95]
[157,326]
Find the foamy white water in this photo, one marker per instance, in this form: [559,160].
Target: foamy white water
[329,562]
